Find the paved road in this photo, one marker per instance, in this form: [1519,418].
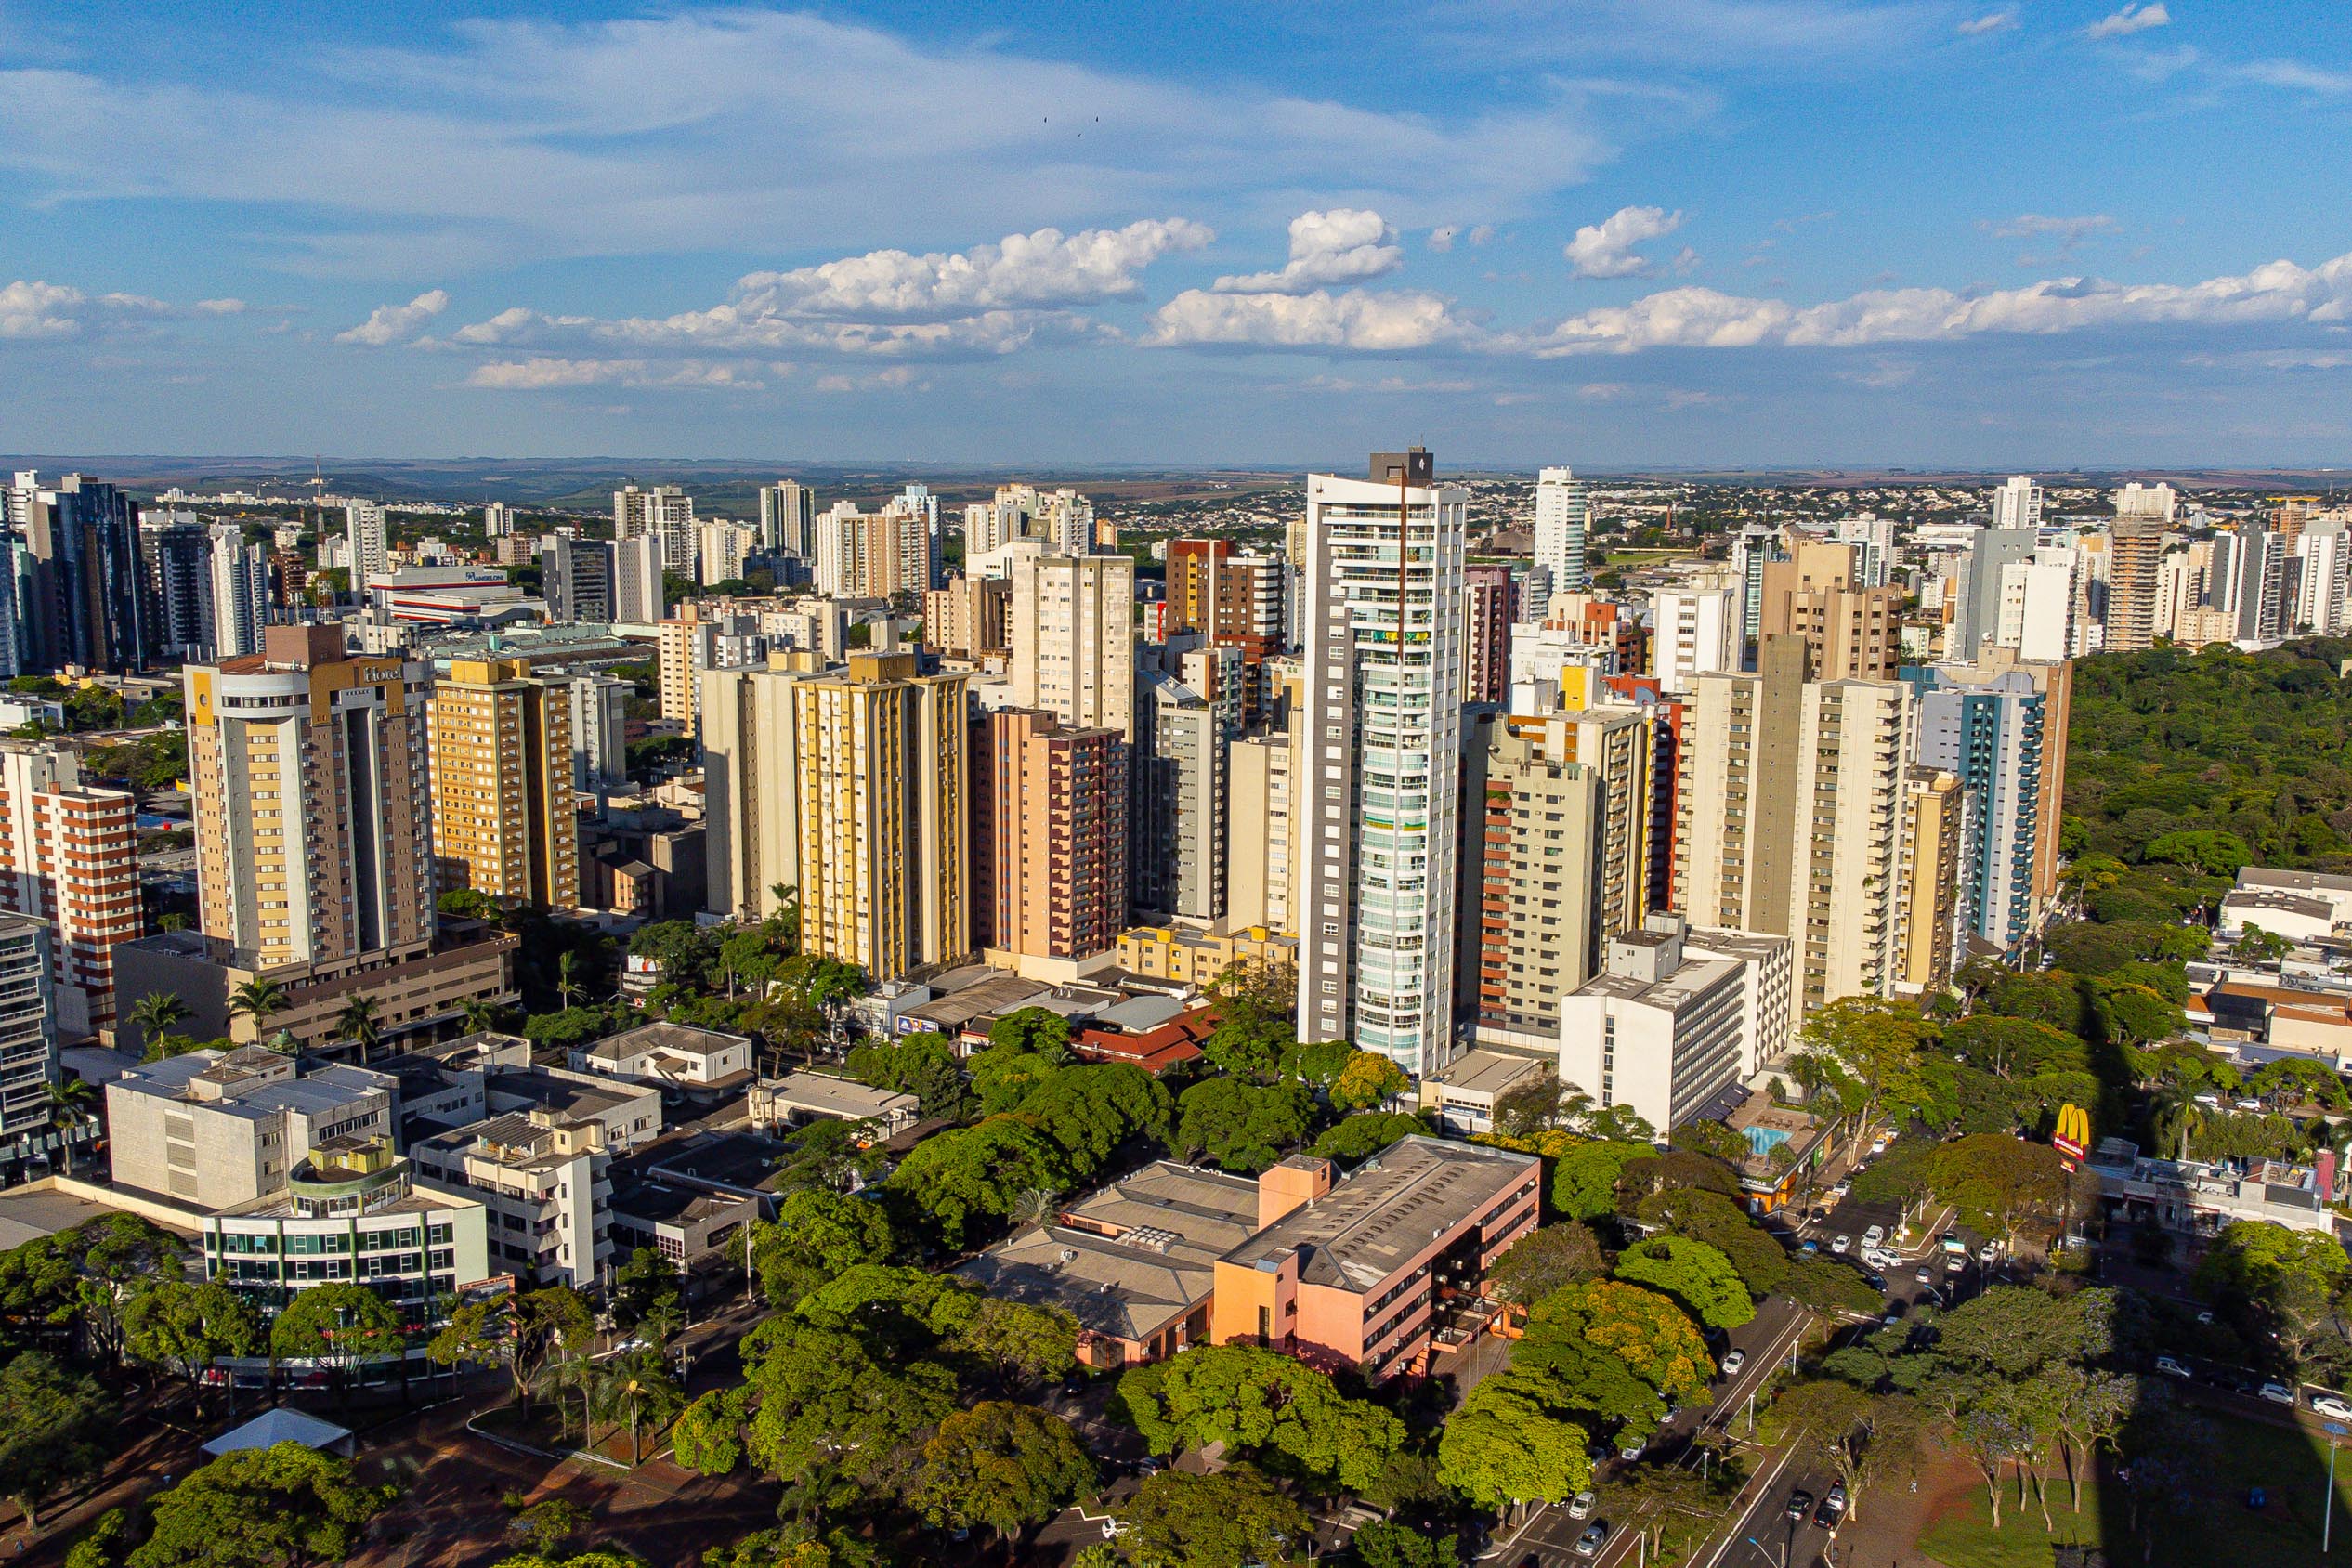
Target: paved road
[1548,1536]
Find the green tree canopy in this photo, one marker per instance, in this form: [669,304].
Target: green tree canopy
[1034,1031]
[1654,1338]
[1229,1519]
[1003,1466]
[280,1507]
[972,1174]
[1545,1260]
[1369,1078]
[1241,1126]
[819,1235]
[55,1429]
[1365,1134]
[1584,1179]
[1273,1407]
[1505,1445]
[340,1325]
[1700,1279]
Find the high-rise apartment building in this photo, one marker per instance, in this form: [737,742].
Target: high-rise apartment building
[2135,552]
[2323,572]
[1489,603]
[498,521]
[877,555]
[750,766]
[2000,726]
[1757,546]
[1232,598]
[69,857]
[599,731]
[2016,503]
[1932,877]
[970,617]
[2137,500]
[665,513]
[2045,605]
[239,602]
[1379,806]
[575,577]
[503,822]
[885,815]
[1562,515]
[1181,786]
[788,519]
[1262,851]
[177,549]
[309,769]
[1555,859]
[1695,631]
[1791,816]
[1073,639]
[82,593]
[366,536]
[28,1042]
[638,596]
[722,545]
[1049,838]
[1854,633]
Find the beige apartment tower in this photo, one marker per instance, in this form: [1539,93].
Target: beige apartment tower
[504,819]
[884,816]
[1791,816]
[1935,806]
[751,764]
[69,857]
[1048,841]
[2133,582]
[309,769]
[1073,639]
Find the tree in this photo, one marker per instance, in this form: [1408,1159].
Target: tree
[2291,1278]
[185,1329]
[1648,1333]
[1368,1080]
[156,1011]
[1584,1179]
[356,1022]
[1241,1126]
[1504,1445]
[1998,1181]
[567,977]
[645,1287]
[1702,1215]
[1024,1342]
[1032,1031]
[1872,1043]
[258,1000]
[55,1428]
[1181,1519]
[86,1276]
[829,1420]
[1002,1465]
[1712,1139]
[339,1324]
[1700,1279]
[921,1065]
[2256,946]
[1273,1407]
[1365,1134]
[1544,1260]
[524,1332]
[1382,1545]
[2014,1332]
[1832,1420]
[548,1523]
[633,1388]
[960,1176]
[69,1102]
[280,1507]
[1252,1033]
[818,1234]
[1091,1111]
[1525,1109]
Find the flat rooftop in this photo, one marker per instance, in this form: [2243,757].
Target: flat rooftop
[684,1038]
[1695,979]
[564,1096]
[1385,1211]
[1489,1072]
[846,1097]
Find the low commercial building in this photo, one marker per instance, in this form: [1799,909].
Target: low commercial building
[348,1213]
[1666,1029]
[1349,1273]
[2298,917]
[797,1098]
[2201,1198]
[1464,1095]
[1785,1144]
[676,1055]
[543,1180]
[2330,888]
[213,1131]
[2285,1018]
[1198,956]
[628,1114]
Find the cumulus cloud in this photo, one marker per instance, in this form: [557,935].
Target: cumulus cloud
[388,322]
[1442,237]
[1344,245]
[541,373]
[740,328]
[1045,268]
[36,310]
[1606,249]
[1359,320]
[1993,21]
[1700,317]
[2130,19]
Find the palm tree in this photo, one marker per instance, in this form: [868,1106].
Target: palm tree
[157,1012]
[356,1021]
[635,1387]
[258,1000]
[2177,1108]
[567,977]
[70,1101]
[480,1017]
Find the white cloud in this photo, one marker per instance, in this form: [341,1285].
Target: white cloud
[1482,234]
[1359,320]
[2279,292]
[1606,249]
[1993,22]
[543,374]
[388,322]
[2295,74]
[1344,245]
[897,378]
[1442,237]
[34,309]
[2130,19]
[2069,231]
[1042,268]
[736,327]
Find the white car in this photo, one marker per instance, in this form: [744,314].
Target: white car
[1838,1243]
[1988,1251]
[2333,1408]
[2171,1368]
[1955,1264]
[2277,1394]
[1733,1362]
[1580,1506]
[1873,1236]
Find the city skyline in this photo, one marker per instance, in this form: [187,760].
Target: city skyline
[1644,233]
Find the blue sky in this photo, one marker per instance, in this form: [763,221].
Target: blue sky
[1615,233]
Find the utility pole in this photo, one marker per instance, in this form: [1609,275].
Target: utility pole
[2337,1430]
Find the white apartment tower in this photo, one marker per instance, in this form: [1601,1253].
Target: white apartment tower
[1073,639]
[2016,503]
[1561,516]
[1695,627]
[363,529]
[240,576]
[666,512]
[1378,801]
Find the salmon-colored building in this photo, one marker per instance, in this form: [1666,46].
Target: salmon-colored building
[1351,1272]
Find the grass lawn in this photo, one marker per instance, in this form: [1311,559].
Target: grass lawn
[2206,1524]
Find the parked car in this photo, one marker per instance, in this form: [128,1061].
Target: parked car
[1873,1236]
[1589,1543]
[1580,1506]
[1925,1276]
[1800,1503]
[1733,1362]
[2333,1406]
[1833,1508]
[1838,1243]
[1955,1265]
[1629,1448]
[1988,1251]
[2277,1394]
[1875,1281]
[2171,1368]
[1809,1248]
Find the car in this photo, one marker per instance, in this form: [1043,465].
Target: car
[1877,1282]
[2277,1394]
[1873,1236]
[2205,1317]
[1988,1251]
[1800,1503]
[1580,1506]
[2332,1407]
[1733,1362]
[1832,1510]
[1892,1320]
[1589,1543]
[1630,1449]
[1838,1193]
[2171,1368]
[1955,1265]
[2256,1498]
[1925,1276]
[1877,1147]
[1809,1248]
[1838,1243]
